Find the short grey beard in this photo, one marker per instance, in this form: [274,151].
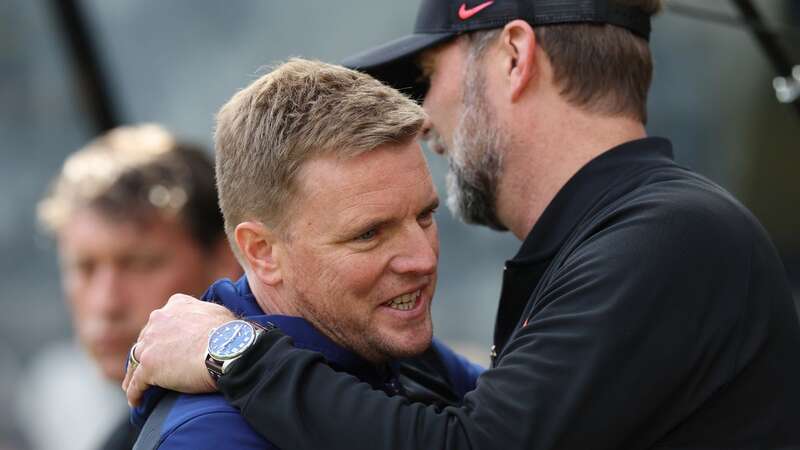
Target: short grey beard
[475,163]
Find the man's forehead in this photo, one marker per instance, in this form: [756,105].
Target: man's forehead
[385,160]
[360,180]
[137,225]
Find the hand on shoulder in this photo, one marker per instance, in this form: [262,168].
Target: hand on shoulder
[171,348]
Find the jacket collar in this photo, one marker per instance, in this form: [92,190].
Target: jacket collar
[584,190]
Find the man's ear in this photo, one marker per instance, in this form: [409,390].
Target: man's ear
[518,49]
[258,244]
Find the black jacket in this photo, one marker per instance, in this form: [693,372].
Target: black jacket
[646,309]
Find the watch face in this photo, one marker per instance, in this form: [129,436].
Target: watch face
[229,340]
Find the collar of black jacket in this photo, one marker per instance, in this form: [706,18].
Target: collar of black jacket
[583,191]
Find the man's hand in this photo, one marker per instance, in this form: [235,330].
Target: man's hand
[172,346]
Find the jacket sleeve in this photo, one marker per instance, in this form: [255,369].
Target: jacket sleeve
[638,326]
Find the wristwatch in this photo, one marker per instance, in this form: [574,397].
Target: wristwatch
[229,342]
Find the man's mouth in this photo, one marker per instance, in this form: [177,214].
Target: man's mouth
[404,302]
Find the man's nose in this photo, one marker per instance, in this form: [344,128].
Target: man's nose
[427,126]
[428,136]
[418,253]
[431,138]
[105,290]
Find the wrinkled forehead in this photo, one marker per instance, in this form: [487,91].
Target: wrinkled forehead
[389,178]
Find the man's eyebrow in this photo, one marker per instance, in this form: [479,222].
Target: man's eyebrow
[433,204]
[359,225]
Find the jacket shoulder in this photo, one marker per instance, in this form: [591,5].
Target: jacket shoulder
[207,421]
[678,193]
[674,211]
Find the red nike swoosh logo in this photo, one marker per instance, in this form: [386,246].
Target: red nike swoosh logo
[464,13]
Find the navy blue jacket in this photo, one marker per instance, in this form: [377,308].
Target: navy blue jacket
[209,422]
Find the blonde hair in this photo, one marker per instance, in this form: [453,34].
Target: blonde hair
[131,172]
[300,110]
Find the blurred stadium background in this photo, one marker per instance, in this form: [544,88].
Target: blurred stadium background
[175,62]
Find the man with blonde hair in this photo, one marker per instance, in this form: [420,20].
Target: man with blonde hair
[135,217]
[334,226]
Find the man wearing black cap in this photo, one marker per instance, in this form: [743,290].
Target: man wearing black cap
[646,307]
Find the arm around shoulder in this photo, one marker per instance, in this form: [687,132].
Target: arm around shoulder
[633,315]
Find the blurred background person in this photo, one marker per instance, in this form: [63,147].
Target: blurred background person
[135,217]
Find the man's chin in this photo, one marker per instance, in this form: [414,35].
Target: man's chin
[410,352]
[414,345]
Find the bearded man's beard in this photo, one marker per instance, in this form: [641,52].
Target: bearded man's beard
[475,161]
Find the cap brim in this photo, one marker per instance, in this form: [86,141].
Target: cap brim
[394,62]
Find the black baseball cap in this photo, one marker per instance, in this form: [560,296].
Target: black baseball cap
[438,21]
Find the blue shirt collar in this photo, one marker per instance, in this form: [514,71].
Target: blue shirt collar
[239,298]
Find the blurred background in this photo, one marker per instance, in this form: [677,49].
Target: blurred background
[177,62]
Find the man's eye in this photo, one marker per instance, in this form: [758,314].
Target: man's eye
[426,67]
[368,236]
[426,218]
[424,78]
[83,268]
[143,263]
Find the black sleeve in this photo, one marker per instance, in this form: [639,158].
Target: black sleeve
[637,328]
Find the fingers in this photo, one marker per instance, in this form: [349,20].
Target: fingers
[128,375]
[137,379]
[132,384]
[131,365]
[135,354]
[171,348]
[135,387]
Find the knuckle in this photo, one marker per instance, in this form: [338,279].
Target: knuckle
[178,299]
[156,315]
[146,360]
[144,337]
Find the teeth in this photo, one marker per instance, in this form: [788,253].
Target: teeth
[405,301]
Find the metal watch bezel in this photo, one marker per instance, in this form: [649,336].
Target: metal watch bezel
[223,358]
[217,366]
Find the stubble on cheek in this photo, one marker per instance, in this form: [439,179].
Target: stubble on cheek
[318,297]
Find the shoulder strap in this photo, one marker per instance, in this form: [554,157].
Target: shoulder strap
[150,436]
